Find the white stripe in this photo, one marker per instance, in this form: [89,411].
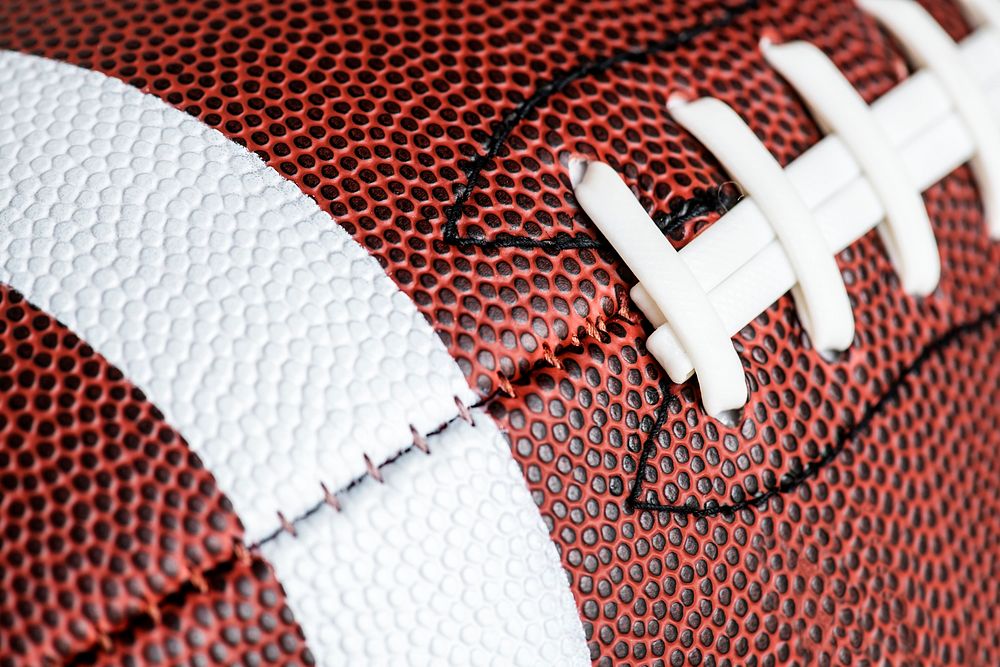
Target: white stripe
[447,561]
[270,339]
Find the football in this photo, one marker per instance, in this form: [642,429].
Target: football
[358,332]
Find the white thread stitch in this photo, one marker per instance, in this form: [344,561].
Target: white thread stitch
[819,292]
[929,46]
[839,108]
[739,264]
[703,338]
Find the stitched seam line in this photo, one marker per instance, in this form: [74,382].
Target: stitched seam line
[701,204]
[316,507]
[176,597]
[241,553]
[682,211]
[473,168]
[790,483]
[576,345]
[550,361]
[793,480]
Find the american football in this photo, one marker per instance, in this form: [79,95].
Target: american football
[518,333]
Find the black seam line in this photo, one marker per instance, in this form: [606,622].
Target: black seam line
[701,203]
[719,199]
[486,400]
[473,168]
[273,535]
[792,481]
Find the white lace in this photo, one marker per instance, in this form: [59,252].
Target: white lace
[867,172]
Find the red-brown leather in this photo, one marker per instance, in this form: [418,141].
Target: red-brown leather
[388,118]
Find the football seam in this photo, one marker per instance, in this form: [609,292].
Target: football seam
[374,471]
[505,388]
[791,481]
[241,553]
[702,203]
[151,616]
[794,479]
[498,138]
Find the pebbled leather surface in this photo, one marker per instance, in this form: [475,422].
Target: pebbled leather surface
[380,116]
[265,334]
[105,510]
[237,615]
[445,560]
[286,356]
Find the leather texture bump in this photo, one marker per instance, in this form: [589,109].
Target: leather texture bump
[269,338]
[446,561]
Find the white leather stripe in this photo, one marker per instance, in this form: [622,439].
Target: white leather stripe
[447,561]
[271,340]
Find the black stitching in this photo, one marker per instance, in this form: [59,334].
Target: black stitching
[649,446]
[295,521]
[701,203]
[558,243]
[473,168]
[486,400]
[792,481]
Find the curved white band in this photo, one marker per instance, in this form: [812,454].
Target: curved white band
[820,295]
[839,108]
[270,339]
[928,45]
[671,286]
[292,365]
